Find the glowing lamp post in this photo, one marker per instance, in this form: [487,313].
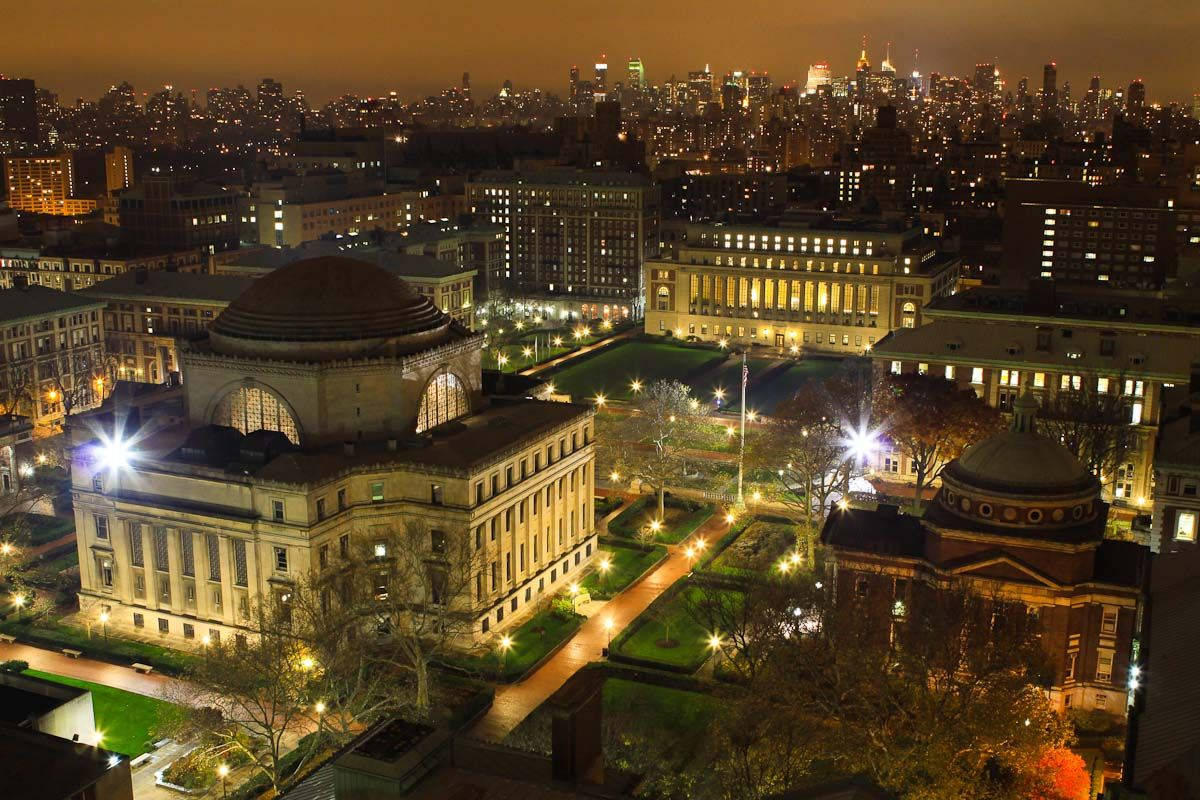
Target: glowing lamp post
[104,624]
[605,566]
[506,644]
[223,773]
[608,629]
[18,600]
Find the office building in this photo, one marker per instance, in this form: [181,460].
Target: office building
[819,75]
[165,212]
[807,283]
[1050,90]
[52,356]
[44,185]
[289,454]
[1175,518]
[40,766]
[1017,518]
[78,263]
[575,236]
[147,312]
[1079,235]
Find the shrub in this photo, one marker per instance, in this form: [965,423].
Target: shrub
[14,667]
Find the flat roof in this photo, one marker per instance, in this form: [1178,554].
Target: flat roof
[38,766]
[160,284]
[35,302]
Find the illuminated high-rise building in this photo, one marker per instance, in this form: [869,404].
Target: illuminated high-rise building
[600,90]
[1050,90]
[819,74]
[18,113]
[636,74]
[44,185]
[886,67]
[1135,100]
[118,169]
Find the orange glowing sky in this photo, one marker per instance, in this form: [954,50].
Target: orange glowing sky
[372,46]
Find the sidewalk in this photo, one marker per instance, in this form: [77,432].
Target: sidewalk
[86,669]
[516,701]
[566,357]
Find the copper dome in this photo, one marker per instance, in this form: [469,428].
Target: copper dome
[325,308]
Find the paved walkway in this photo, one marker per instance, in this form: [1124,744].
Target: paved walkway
[516,701]
[90,670]
[45,547]
[587,348]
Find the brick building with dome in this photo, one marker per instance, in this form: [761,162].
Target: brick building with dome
[326,404]
[1018,516]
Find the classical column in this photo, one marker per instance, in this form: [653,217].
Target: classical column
[228,613]
[200,568]
[175,570]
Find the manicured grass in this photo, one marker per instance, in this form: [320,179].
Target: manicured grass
[627,564]
[766,396]
[729,379]
[681,519]
[62,560]
[55,636]
[610,372]
[540,634]
[660,706]
[691,640]
[124,718]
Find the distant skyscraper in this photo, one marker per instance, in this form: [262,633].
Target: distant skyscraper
[1050,89]
[819,74]
[636,74]
[1196,105]
[44,185]
[466,85]
[886,66]
[601,88]
[1091,101]
[862,71]
[18,113]
[118,169]
[1135,100]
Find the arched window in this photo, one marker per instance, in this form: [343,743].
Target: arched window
[909,311]
[249,409]
[445,399]
[663,299]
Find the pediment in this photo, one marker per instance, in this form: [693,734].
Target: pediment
[1002,567]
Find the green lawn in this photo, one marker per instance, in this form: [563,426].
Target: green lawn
[676,709]
[628,563]
[729,380]
[49,633]
[31,530]
[540,634]
[611,372]
[690,648]
[124,718]
[681,519]
[766,396]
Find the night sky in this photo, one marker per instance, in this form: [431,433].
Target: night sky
[417,47]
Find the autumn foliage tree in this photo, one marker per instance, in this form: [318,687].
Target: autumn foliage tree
[930,421]
[1060,774]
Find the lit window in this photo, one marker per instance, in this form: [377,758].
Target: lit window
[1185,526]
[252,409]
[445,399]
[977,375]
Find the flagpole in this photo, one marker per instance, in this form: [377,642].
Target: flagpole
[742,447]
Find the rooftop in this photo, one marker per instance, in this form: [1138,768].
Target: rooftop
[186,286]
[1046,302]
[564,177]
[38,766]
[403,265]
[35,302]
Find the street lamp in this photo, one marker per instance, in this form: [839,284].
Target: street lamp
[723,343]
[558,340]
[635,386]
[501,360]
[600,400]
[719,393]
[19,601]
[223,773]
[506,644]
[608,629]
[104,624]
[307,663]
[6,549]
[605,566]
[729,518]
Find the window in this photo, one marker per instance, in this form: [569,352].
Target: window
[1185,526]
[277,510]
[949,372]
[445,399]
[1069,670]
[1108,623]
[189,631]
[281,559]
[135,545]
[435,494]
[341,499]
[187,553]
[977,375]
[1104,665]
[344,545]
[161,562]
[897,366]
[377,492]
[106,572]
[214,558]
[320,508]
[101,527]
[437,541]
[251,409]
[239,563]
[139,621]
[163,625]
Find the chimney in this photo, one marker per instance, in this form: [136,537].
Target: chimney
[576,754]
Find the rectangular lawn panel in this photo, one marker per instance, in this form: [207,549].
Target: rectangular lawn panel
[611,371]
[124,718]
[536,637]
[758,548]
[660,706]
[628,563]
[690,640]
[765,397]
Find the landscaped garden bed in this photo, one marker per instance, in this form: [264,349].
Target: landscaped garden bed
[665,635]
[757,548]
[627,563]
[681,518]
[57,635]
[536,638]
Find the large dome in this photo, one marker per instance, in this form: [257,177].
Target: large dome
[326,308]
[1018,479]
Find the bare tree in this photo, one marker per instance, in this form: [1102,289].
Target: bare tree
[412,588]
[1093,425]
[16,388]
[651,444]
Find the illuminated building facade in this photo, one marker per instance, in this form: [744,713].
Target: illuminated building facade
[818,284]
[329,404]
[44,185]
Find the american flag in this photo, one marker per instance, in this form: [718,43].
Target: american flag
[745,374]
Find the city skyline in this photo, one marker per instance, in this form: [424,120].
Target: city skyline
[783,45]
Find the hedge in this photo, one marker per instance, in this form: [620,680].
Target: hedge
[288,764]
